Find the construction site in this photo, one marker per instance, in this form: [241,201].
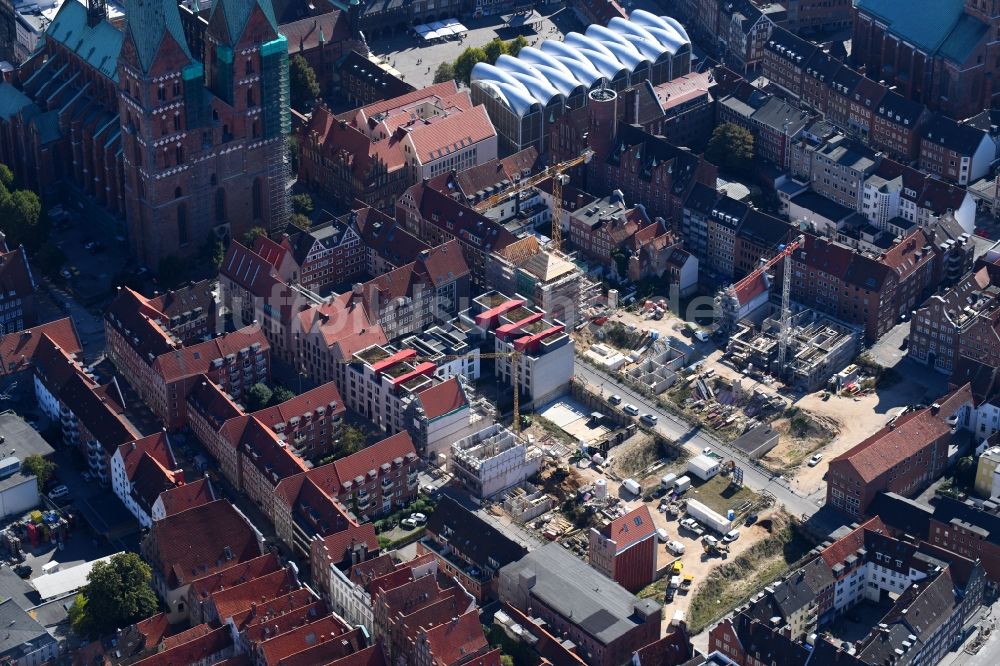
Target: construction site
[818,347]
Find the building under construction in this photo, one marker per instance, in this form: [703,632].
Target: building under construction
[817,348]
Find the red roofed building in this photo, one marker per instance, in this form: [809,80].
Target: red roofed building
[17,291]
[458,641]
[162,370]
[624,550]
[17,350]
[181,498]
[310,423]
[349,546]
[140,471]
[903,457]
[264,461]
[375,152]
[193,544]
[397,391]
[218,423]
[210,648]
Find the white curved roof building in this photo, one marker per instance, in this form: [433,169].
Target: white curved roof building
[645,47]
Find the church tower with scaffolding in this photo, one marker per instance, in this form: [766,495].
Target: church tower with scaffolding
[203,106]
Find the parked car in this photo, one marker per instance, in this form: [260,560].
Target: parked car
[648,419]
[59,493]
[691,524]
[23,570]
[631,410]
[418,518]
[750,520]
[615,399]
[675,547]
[709,540]
[815,459]
[408,523]
[662,534]
[731,536]
[65,272]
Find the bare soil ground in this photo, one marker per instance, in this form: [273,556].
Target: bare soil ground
[798,437]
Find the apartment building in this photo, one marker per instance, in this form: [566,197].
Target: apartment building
[897,125]
[140,471]
[903,457]
[624,549]
[955,152]
[468,548]
[311,422]
[493,460]
[838,169]
[18,309]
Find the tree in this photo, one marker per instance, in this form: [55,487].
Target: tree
[41,468]
[515,45]
[6,176]
[21,218]
[731,148]
[466,61]
[258,397]
[302,81]
[302,203]
[281,394]
[218,254]
[352,440]
[444,72]
[506,660]
[965,471]
[250,237]
[301,221]
[117,594]
[495,48]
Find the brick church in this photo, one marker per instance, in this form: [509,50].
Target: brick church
[176,120]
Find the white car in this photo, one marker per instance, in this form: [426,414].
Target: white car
[731,536]
[675,547]
[631,410]
[418,518]
[615,399]
[648,419]
[58,493]
[707,451]
[815,459]
[408,523]
[691,524]
[710,540]
[662,534]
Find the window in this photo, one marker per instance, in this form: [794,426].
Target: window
[179,154]
[178,193]
[220,205]
[161,93]
[182,230]
[177,88]
[250,101]
[177,121]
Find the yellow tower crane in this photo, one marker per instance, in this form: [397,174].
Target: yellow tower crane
[557,173]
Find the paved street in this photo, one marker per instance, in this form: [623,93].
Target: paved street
[695,439]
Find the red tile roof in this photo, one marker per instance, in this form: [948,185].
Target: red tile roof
[325,397]
[232,600]
[343,324]
[183,637]
[187,496]
[250,270]
[286,612]
[272,252]
[442,398]
[155,446]
[444,263]
[198,650]
[97,412]
[17,350]
[313,31]
[338,543]
[197,359]
[628,530]
[369,656]
[447,135]
[54,366]
[838,551]
[372,457]
[143,326]
[453,642]
[204,587]
[339,651]
[904,437]
[266,452]
[212,403]
[301,638]
[202,540]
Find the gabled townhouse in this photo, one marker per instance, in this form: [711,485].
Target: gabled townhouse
[744,28]
[195,543]
[18,350]
[903,457]
[181,498]
[18,307]
[351,592]
[161,369]
[468,548]
[310,423]
[957,153]
[894,190]
[772,121]
[140,471]
[624,549]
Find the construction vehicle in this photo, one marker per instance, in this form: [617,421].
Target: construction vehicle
[715,548]
[686,583]
[557,173]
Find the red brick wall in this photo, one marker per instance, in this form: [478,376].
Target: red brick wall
[635,567]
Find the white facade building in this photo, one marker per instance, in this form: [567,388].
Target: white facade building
[493,460]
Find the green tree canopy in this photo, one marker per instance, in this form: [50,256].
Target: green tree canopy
[301,221]
[302,81]
[281,394]
[6,176]
[258,397]
[41,468]
[444,72]
[302,203]
[117,594]
[352,440]
[515,45]
[731,148]
[250,237]
[466,61]
[495,48]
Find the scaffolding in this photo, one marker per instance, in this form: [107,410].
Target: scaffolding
[277,126]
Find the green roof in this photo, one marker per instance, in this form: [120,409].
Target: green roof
[237,14]
[99,45]
[924,23]
[963,39]
[12,101]
[149,21]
